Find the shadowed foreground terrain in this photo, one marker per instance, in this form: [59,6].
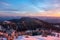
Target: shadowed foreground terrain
[28,26]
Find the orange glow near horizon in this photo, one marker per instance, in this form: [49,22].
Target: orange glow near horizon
[49,15]
[52,13]
[45,14]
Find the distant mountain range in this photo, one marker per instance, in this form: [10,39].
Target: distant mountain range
[47,19]
[4,18]
[28,23]
[50,19]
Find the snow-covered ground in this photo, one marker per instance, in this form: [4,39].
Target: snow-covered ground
[35,38]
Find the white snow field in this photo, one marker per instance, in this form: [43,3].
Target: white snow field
[35,38]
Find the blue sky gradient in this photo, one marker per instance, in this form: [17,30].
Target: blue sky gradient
[27,6]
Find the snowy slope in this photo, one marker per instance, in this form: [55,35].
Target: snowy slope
[37,38]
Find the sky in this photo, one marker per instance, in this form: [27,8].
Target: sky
[30,8]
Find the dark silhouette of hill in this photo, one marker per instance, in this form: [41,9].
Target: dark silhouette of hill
[27,23]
